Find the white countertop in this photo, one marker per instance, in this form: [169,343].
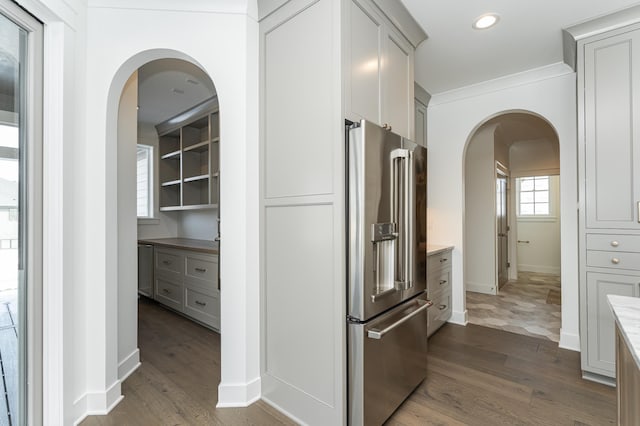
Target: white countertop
[435,249]
[626,311]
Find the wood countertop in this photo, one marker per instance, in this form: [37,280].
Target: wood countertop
[626,310]
[202,246]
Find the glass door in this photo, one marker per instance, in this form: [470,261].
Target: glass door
[20,214]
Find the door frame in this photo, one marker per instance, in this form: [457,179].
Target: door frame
[502,170]
[30,319]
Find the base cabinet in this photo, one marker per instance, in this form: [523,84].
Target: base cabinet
[628,383]
[439,289]
[187,282]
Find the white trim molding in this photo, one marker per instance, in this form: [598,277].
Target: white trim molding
[569,341]
[239,394]
[460,318]
[129,365]
[97,403]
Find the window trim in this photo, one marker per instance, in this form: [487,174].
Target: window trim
[150,218]
[551,217]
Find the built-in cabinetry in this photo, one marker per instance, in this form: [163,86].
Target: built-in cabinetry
[422,98]
[438,286]
[189,158]
[609,169]
[379,70]
[187,282]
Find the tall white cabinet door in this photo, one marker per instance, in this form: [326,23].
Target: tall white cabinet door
[397,76]
[363,84]
[600,322]
[612,126]
[421,123]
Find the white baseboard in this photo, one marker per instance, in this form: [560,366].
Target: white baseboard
[541,269]
[569,341]
[460,318]
[283,411]
[480,287]
[97,403]
[129,365]
[239,394]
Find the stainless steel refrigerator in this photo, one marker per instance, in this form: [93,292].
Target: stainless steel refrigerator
[387,271]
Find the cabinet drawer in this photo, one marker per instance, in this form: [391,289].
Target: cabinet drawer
[202,307]
[613,242]
[439,261]
[169,262]
[169,293]
[201,268]
[615,260]
[439,282]
[439,313]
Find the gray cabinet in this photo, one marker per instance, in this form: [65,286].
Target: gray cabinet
[189,158]
[600,339]
[187,282]
[609,175]
[612,131]
[438,288]
[378,70]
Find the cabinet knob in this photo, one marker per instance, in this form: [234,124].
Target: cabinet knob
[442,307]
[166,291]
[200,303]
[386,126]
[444,259]
[166,262]
[614,243]
[443,282]
[615,260]
[203,270]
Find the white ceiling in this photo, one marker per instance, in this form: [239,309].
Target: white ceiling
[527,36]
[160,83]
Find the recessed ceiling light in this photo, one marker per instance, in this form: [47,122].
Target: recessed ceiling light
[178,91]
[192,81]
[485,21]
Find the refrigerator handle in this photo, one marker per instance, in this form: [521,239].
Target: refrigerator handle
[401,210]
[379,334]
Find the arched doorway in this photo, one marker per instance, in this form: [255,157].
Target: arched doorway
[512,225]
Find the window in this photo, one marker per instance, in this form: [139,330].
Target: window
[145,181]
[533,196]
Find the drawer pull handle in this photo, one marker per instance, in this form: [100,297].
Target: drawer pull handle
[442,307]
[443,282]
[615,260]
[444,259]
[166,262]
[203,270]
[200,303]
[614,243]
[166,291]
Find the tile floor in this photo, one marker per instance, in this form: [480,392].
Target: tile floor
[529,306]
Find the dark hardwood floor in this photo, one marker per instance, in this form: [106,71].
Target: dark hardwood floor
[483,376]
[476,376]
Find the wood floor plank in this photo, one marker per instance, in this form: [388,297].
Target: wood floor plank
[476,376]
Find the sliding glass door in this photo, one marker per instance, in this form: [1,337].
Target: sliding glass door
[20,216]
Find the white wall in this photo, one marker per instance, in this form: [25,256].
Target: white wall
[128,353]
[163,224]
[480,215]
[542,252]
[222,39]
[453,117]
[199,224]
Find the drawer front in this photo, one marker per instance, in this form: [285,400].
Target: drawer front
[614,260]
[439,313]
[439,282]
[202,307]
[613,242]
[439,261]
[168,262]
[202,268]
[169,293]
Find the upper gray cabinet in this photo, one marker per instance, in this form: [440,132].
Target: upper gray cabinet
[378,70]
[611,130]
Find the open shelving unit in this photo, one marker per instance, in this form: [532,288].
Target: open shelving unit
[189,158]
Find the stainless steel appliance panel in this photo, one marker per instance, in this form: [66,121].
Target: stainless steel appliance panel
[387,361]
[419,223]
[372,228]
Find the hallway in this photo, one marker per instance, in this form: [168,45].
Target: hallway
[528,306]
